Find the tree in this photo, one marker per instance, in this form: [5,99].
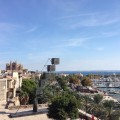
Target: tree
[86,82]
[46,95]
[74,79]
[111,113]
[62,81]
[63,107]
[24,98]
[49,92]
[86,102]
[97,106]
[28,88]
[53,89]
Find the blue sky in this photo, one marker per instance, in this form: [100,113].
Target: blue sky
[84,34]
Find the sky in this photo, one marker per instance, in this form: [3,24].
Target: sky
[84,34]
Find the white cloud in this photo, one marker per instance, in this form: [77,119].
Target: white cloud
[8,27]
[6,30]
[110,33]
[100,49]
[32,29]
[33,56]
[5,53]
[75,42]
[88,20]
[88,64]
[94,21]
[76,16]
[68,6]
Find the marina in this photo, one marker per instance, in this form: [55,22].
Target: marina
[109,85]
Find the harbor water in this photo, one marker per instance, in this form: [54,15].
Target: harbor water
[113,92]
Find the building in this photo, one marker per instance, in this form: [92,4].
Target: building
[9,85]
[10,81]
[13,66]
[3,89]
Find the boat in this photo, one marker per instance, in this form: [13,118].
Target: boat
[113,92]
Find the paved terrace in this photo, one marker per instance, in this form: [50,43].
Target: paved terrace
[4,114]
[28,114]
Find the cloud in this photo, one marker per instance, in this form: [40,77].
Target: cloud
[9,27]
[100,49]
[88,20]
[93,22]
[110,33]
[76,15]
[76,42]
[62,5]
[66,7]
[83,64]
[5,53]
[32,29]
[41,58]
[33,56]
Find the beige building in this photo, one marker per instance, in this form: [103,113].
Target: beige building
[3,89]
[9,85]
[10,81]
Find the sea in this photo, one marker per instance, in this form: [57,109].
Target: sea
[106,72]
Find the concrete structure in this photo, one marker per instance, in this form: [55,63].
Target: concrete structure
[11,90]
[9,85]
[14,82]
[18,77]
[3,89]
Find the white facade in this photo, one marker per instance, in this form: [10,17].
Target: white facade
[3,89]
[18,79]
[9,86]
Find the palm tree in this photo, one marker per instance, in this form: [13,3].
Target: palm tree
[85,103]
[111,113]
[96,105]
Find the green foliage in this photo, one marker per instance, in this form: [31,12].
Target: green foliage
[47,94]
[63,107]
[104,110]
[109,104]
[96,105]
[64,103]
[86,82]
[29,87]
[62,81]
[97,99]
[109,109]
[86,103]
[74,79]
